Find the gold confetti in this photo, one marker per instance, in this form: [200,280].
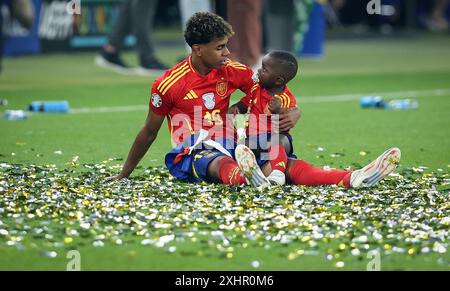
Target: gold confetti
[45,206]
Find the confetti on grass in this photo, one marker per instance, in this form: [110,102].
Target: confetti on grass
[47,208]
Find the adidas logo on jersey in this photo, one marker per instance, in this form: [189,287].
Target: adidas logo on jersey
[190,95]
[281,164]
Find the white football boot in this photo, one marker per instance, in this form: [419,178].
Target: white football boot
[277,177]
[376,170]
[246,161]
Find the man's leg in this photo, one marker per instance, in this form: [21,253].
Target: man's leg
[121,28]
[143,13]
[225,170]
[371,174]
[248,164]
[245,17]
[109,57]
[301,173]
[23,11]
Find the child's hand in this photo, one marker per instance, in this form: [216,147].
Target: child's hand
[275,105]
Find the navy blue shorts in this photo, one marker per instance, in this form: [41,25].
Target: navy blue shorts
[193,168]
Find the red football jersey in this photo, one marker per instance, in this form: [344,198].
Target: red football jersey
[258,103]
[192,102]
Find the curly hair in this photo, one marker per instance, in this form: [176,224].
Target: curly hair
[287,63]
[204,27]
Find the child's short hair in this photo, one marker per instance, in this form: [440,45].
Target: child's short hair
[203,27]
[287,62]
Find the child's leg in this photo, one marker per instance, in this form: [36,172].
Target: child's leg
[277,152]
[274,160]
[271,151]
[286,143]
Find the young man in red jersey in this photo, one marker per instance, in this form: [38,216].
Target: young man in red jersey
[194,95]
[274,149]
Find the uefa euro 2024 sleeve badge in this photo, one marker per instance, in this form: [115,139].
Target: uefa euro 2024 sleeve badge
[156,100]
[209,100]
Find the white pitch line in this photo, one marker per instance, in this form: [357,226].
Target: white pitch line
[398,94]
[127,108]
[303,99]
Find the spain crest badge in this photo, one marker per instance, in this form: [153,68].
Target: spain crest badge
[221,88]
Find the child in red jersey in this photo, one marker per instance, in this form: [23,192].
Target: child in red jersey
[274,150]
[266,100]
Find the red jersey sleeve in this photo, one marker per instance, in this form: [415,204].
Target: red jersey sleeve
[240,75]
[160,104]
[248,99]
[293,102]
[245,80]
[287,99]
